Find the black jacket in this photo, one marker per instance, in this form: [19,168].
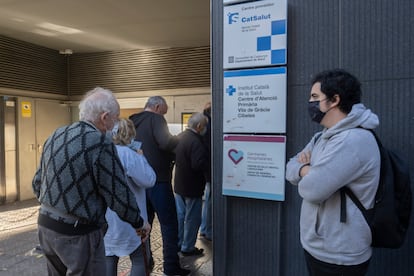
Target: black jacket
[191,164]
[157,142]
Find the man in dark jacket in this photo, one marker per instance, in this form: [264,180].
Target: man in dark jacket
[158,145]
[191,167]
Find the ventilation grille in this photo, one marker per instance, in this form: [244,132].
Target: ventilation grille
[25,66]
[140,70]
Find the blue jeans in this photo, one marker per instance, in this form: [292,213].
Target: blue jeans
[206,217]
[189,220]
[137,263]
[160,200]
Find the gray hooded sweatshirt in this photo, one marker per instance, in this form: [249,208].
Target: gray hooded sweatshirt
[343,155]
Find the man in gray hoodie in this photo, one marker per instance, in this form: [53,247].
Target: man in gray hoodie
[344,153]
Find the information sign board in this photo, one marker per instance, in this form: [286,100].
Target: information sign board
[254,166]
[254,34]
[255,101]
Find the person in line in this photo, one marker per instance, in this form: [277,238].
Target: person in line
[79,176]
[344,153]
[121,238]
[159,144]
[191,166]
[206,227]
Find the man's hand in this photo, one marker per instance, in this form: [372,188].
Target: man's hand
[304,158]
[144,231]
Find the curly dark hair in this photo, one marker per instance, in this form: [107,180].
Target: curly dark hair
[342,83]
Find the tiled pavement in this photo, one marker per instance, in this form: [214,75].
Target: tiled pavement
[18,241]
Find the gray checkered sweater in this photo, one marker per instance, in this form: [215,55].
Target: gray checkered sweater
[80,174]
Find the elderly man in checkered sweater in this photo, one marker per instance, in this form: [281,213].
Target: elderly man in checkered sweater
[79,176]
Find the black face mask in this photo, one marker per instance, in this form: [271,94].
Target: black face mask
[314,112]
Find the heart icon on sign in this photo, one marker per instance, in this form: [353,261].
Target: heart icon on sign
[235,156]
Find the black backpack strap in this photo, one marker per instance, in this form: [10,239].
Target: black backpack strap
[376,137]
[317,137]
[350,193]
[343,205]
[354,198]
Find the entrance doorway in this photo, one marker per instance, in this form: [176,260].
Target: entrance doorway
[8,182]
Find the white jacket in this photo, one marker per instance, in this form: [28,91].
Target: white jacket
[121,238]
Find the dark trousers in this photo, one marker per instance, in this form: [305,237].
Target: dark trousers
[319,268]
[76,255]
[137,263]
[160,200]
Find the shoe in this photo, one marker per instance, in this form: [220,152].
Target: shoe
[179,272]
[195,252]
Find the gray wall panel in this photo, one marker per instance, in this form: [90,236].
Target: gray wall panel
[220,210]
[373,40]
[378,38]
[312,37]
[247,245]
[140,70]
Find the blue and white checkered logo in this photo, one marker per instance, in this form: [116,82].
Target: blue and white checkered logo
[273,42]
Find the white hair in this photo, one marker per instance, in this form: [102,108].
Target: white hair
[96,102]
[153,101]
[195,119]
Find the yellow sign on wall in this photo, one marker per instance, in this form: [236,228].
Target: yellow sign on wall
[184,119]
[26,109]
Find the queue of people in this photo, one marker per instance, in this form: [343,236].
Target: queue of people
[178,222]
[99,193]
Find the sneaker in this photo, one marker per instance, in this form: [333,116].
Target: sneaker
[195,252]
[179,272]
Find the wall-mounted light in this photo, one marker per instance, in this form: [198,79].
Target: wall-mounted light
[66,52]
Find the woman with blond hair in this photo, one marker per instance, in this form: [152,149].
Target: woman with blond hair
[122,239]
